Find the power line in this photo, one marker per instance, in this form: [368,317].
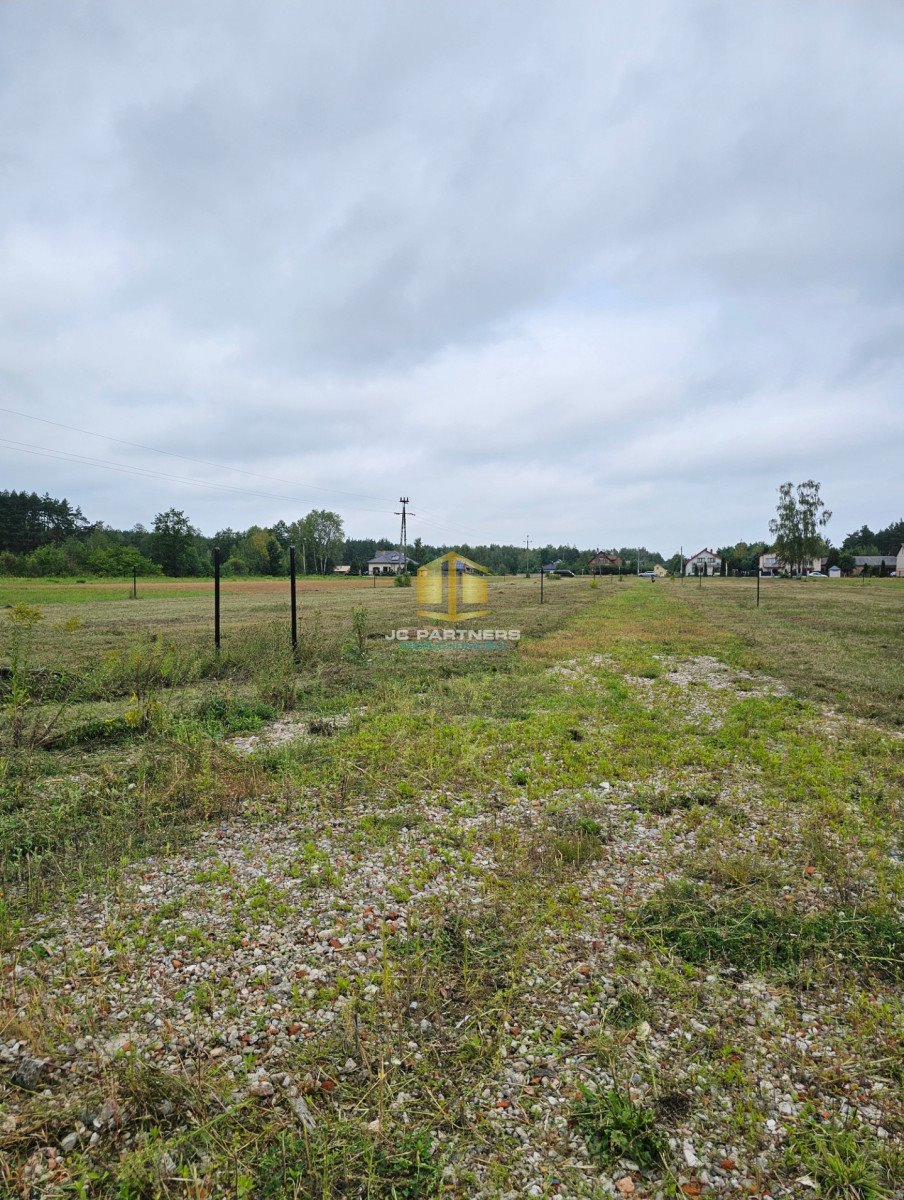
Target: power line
[202,462]
[431,519]
[123,469]
[143,472]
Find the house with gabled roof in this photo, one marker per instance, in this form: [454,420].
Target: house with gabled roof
[704,562]
[604,560]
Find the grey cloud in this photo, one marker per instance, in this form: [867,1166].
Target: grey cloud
[485,254]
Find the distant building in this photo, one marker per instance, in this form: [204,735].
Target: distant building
[871,562]
[771,564]
[389,562]
[604,560]
[659,571]
[343,570]
[706,562]
[834,572]
[899,561]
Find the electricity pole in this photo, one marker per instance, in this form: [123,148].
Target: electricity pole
[527,556]
[403,537]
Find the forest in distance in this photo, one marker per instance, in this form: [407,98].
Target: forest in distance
[44,536]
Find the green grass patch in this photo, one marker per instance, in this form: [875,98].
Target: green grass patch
[843,1162]
[753,936]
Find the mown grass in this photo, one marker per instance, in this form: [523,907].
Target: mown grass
[839,641]
[753,936]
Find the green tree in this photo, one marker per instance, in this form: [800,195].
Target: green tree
[891,538]
[319,539]
[800,514]
[863,536]
[174,543]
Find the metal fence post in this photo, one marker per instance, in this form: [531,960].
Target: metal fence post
[216,598]
[294,602]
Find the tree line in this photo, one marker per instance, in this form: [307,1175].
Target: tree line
[41,535]
[45,536]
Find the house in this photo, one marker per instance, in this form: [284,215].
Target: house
[771,564]
[704,562]
[343,570]
[899,561]
[550,568]
[866,563]
[389,562]
[659,571]
[604,560]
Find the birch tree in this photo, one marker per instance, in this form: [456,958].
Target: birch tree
[800,514]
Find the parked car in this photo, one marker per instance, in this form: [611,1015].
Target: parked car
[817,575]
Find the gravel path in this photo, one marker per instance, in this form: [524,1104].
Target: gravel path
[256,959]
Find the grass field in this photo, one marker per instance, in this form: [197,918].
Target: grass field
[615,911]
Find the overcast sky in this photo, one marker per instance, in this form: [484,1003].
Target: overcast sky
[597,273]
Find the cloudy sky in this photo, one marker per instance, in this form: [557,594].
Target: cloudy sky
[597,273]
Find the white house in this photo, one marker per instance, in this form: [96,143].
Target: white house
[899,563]
[771,564]
[707,562]
[389,562]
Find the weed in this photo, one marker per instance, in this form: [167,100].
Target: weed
[356,650]
[225,714]
[663,801]
[630,1008]
[735,871]
[614,1128]
[840,1160]
[574,843]
[25,722]
[341,1161]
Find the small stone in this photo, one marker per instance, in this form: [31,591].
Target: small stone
[625,1185]
[30,1073]
[69,1142]
[690,1157]
[300,1108]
